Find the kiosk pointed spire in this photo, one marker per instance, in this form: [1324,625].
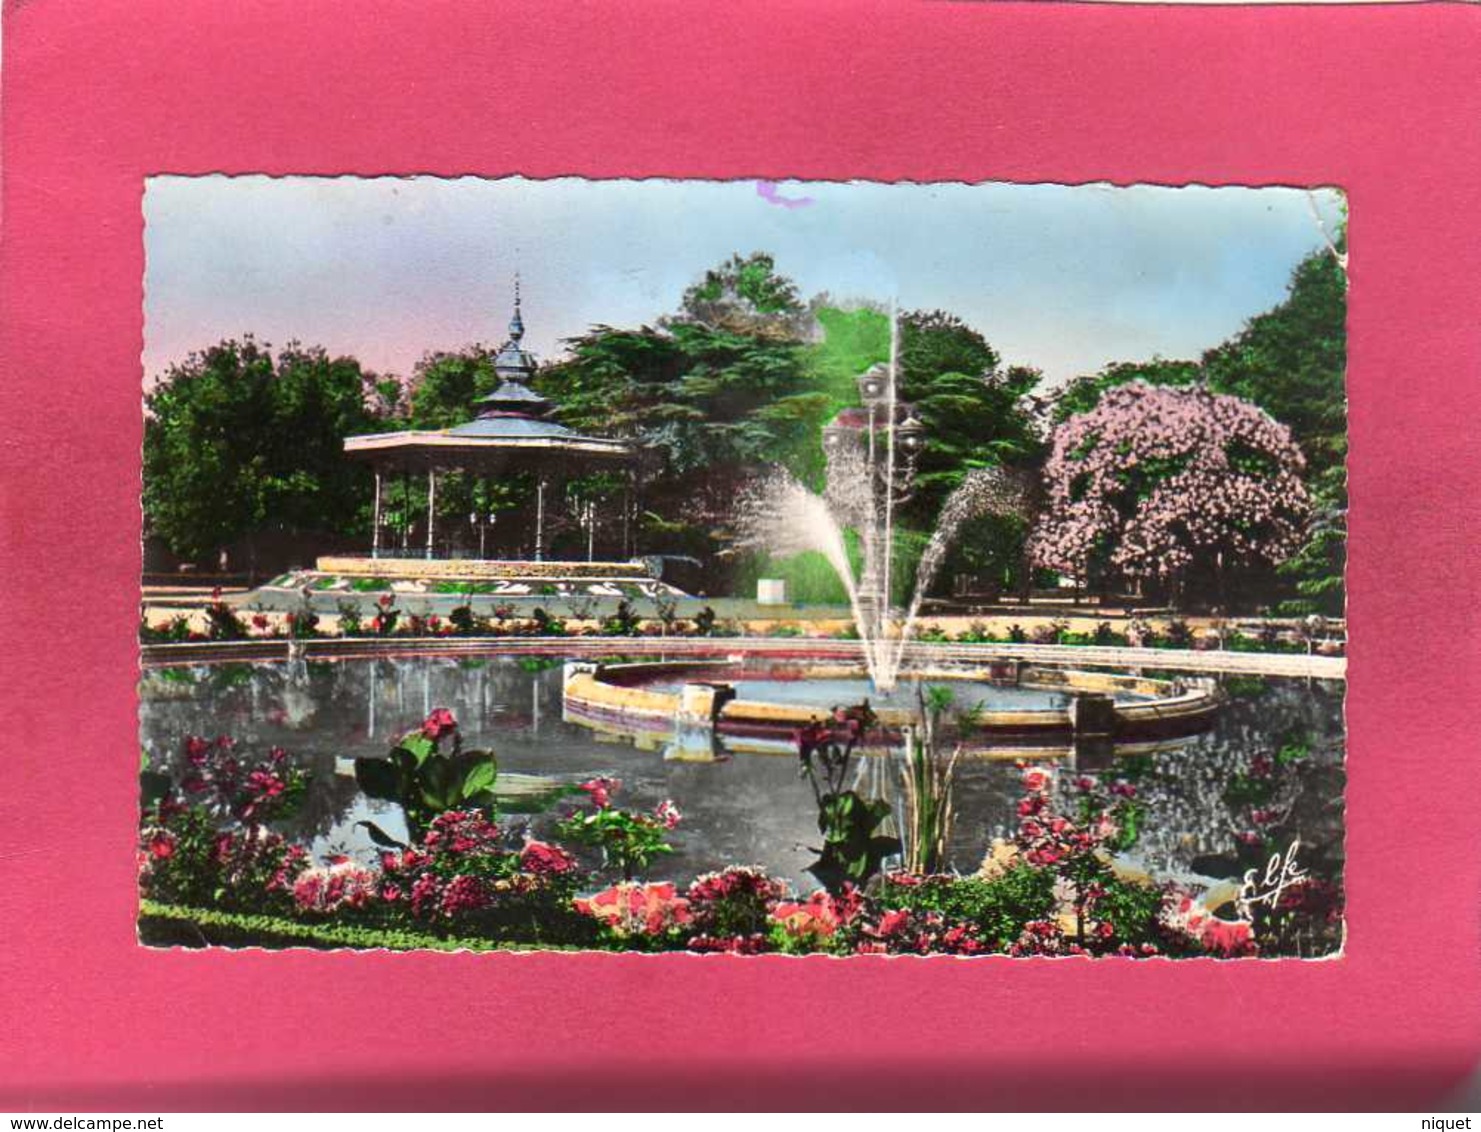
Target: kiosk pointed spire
[517,323]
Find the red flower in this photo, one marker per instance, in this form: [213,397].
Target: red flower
[441,722]
[162,845]
[600,791]
[891,922]
[1036,779]
[543,859]
[463,894]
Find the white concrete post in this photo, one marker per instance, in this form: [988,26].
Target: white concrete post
[431,508]
[375,522]
[540,520]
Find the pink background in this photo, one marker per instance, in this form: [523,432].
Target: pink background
[98,94]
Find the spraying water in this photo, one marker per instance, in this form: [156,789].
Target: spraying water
[782,516]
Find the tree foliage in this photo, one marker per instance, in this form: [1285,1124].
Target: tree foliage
[1292,362]
[715,391]
[746,295]
[1170,485]
[234,436]
[446,383]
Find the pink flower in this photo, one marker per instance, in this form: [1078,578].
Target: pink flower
[1227,938]
[457,833]
[668,814]
[464,894]
[637,909]
[441,722]
[337,886]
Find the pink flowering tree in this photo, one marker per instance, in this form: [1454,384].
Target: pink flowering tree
[1169,486]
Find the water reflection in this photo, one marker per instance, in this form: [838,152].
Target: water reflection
[740,808]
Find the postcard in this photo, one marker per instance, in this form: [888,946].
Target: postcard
[697,557]
[738,566]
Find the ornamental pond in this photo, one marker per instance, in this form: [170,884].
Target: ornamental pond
[1199,793]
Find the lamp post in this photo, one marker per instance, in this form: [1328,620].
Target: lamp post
[584,511]
[482,523]
[875,448]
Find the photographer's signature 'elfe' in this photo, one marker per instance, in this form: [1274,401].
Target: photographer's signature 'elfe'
[1281,872]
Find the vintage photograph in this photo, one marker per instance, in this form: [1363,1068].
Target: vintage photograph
[834,569]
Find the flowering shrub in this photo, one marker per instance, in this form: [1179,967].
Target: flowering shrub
[252,791]
[629,841]
[644,915]
[853,847]
[907,931]
[465,876]
[1226,939]
[335,887]
[1157,481]
[813,924]
[730,910]
[383,623]
[173,631]
[997,909]
[204,840]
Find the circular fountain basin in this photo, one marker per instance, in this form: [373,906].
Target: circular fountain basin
[1012,700]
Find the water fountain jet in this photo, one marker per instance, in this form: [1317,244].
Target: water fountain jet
[871,468]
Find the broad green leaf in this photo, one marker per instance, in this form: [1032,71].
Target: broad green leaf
[480,776]
[417,745]
[379,779]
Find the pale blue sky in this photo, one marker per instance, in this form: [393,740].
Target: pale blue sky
[1064,278]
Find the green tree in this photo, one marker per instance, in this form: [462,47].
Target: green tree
[937,342]
[446,384]
[234,438]
[1292,362]
[745,295]
[716,391]
[976,415]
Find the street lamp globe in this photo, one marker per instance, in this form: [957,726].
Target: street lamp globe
[874,384]
[910,434]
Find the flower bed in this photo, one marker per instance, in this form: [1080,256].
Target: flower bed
[219,621]
[213,870]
